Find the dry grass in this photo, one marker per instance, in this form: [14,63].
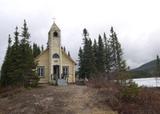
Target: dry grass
[71,99]
[10,91]
[147,101]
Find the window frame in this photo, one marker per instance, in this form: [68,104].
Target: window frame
[55,56]
[41,71]
[65,70]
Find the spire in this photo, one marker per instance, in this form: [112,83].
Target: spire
[54,26]
[54,19]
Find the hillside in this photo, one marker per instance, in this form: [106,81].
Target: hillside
[145,70]
[149,66]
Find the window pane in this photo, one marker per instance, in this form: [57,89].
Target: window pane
[40,71]
[55,55]
[65,70]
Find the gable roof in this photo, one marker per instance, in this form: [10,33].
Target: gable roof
[61,51]
[69,57]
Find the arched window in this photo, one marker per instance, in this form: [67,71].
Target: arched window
[55,55]
[55,34]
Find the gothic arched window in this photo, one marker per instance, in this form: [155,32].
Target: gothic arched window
[55,55]
[55,34]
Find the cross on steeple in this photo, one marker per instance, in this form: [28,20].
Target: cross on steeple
[54,19]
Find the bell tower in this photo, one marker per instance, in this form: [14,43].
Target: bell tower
[55,59]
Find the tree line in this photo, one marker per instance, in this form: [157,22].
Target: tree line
[18,67]
[102,56]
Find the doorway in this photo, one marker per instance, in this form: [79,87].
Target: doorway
[56,72]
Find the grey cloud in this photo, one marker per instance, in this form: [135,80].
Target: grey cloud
[138,30]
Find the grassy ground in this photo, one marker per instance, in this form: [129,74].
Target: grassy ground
[47,99]
[129,99]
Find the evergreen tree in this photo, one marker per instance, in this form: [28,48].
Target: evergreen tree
[25,34]
[36,50]
[4,81]
[157,66]
[104,56]
[157,69]
[100,56]
[69,54]
[81,66]
[18,67]
[91,59]
[107,53]
[88,56]
[95,53]
[85,33]
[27,63]
[118,64]
[85,53]
[15,74]
[113,50]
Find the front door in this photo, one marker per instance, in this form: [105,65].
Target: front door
[56,71]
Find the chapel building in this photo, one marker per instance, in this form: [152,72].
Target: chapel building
[54,64]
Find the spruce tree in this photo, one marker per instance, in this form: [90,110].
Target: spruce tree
[27,62]
[118,64]
[86,53]
[95,53]
[88,56]
[100,56]
[91,60]
[157,66]
[16,71]
[113,50]
[18,67]
[5,69]
[157,75]
[36,50]
[68,54]
[104,56]
[107,53]
[81,66]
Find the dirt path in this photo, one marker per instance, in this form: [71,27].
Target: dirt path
[70,99]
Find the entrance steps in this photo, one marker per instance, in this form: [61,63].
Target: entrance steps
[62,82]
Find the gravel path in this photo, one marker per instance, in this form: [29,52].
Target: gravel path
[70,99]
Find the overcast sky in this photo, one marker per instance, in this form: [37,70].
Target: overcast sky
[137,23]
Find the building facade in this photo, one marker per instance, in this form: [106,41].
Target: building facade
[54,63]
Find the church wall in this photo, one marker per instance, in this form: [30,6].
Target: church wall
[43,61]
[67,62]
[71,78]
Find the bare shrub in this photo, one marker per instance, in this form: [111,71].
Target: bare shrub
[10,91]
[129,92]
[99,80]
[126,97]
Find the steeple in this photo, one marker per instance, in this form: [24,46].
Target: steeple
[55,55]
[54,27]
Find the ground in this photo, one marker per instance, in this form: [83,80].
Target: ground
[72,99]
